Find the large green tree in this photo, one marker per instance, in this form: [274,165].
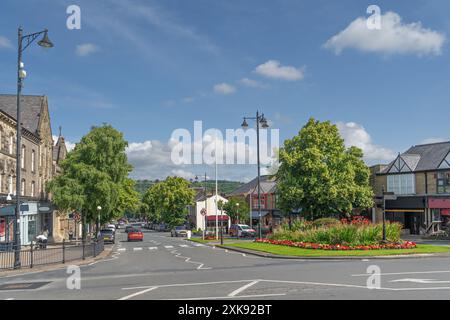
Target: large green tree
[167,201]
[95,174]
[237,209]
[319,175]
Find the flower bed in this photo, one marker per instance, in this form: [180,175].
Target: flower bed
[317,246]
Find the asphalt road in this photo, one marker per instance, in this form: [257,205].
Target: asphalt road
[162,267]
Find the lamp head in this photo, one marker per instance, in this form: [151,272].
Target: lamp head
[45,42]
[244,124]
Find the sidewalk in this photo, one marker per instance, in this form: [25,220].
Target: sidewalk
[57,266]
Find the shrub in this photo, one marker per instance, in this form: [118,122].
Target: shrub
[325,222]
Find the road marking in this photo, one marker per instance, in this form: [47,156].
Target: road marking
[137,249]
[188,284]
[9,299]
[184,246]
[168,247]
[400,273]
[138,293]
[421,281]
[152,248]
[248,296]
[239,290]
[121,249]
[198,245]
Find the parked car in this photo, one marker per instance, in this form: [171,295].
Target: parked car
[128,228]
[135,234]
[112,227]
[121,225]
[180,231]
[108,235]
[241,231]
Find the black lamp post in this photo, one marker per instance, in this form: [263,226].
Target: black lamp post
[260,120]
[21,74]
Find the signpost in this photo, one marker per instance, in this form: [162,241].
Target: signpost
[203,212]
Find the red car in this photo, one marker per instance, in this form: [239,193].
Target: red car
[135,235]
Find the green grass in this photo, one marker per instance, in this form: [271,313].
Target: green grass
[299,252]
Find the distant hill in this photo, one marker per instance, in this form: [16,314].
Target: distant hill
[223,186]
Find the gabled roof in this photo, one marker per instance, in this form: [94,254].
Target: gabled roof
[423,157]
[30,109]
[59,149]
[268,184]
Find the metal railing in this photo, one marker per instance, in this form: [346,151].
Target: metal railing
[34,255]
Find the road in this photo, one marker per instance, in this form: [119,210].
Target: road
[162,267]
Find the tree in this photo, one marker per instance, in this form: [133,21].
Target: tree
[95,174]
[319,175]
[237,209]
[167,200]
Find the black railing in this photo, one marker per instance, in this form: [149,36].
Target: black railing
[35,255]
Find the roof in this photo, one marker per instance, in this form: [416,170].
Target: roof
[59,148]
[30,109]
[423,157]
[268,185]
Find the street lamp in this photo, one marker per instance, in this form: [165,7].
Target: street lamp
[206,205]
[99,208]
[21,74]
[237,212]
[260,120]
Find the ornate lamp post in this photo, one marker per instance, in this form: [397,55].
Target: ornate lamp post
[21,74]
[260,120]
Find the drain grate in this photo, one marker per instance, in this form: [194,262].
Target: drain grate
[22,286]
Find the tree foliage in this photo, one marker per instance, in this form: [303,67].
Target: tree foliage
[235,211]
[167,201]
[319,175]
[95,174]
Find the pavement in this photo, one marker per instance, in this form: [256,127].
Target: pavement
[162,267]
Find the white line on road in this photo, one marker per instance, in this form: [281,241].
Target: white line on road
[168,247]
[239,290]
[188,284]
[138,293]
[400,273]
[137,249]
[9,299]
[184,246]
[152,248]
[198,245]
[249,296]
[121,249]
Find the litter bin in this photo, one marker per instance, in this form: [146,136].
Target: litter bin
[189,232]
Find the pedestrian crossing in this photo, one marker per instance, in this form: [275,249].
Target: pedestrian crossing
[155,248]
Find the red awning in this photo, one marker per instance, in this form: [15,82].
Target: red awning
[439,203]
[219,218]
[445,212]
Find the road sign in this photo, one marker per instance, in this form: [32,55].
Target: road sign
[76,216]
[203,212]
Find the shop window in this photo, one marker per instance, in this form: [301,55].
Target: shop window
[443,182]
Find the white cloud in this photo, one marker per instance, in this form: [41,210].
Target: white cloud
[86,49]
[188,99]
[252,83]
[394,37]
[224,88]
[273,69]
[355,135]
[433,140]
[5,43]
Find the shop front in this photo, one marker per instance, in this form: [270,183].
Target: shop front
[440,211]
[222,221]
[408,211]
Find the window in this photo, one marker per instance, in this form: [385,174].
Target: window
[22,188]
[401,184]
[33,159]
[11,144]
[32,188]
[443,182]
[10,184]
[22,157]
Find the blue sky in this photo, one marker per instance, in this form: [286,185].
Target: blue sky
[149,67]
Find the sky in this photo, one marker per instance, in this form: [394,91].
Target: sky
[151,67]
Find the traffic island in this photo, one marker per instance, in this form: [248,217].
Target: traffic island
[285,252]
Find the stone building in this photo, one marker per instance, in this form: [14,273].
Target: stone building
[37,166]
[420,180]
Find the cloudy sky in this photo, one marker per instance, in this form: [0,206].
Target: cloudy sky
[150,67]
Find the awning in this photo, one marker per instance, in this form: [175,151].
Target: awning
[445,212]
[219,218]
[255,214]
